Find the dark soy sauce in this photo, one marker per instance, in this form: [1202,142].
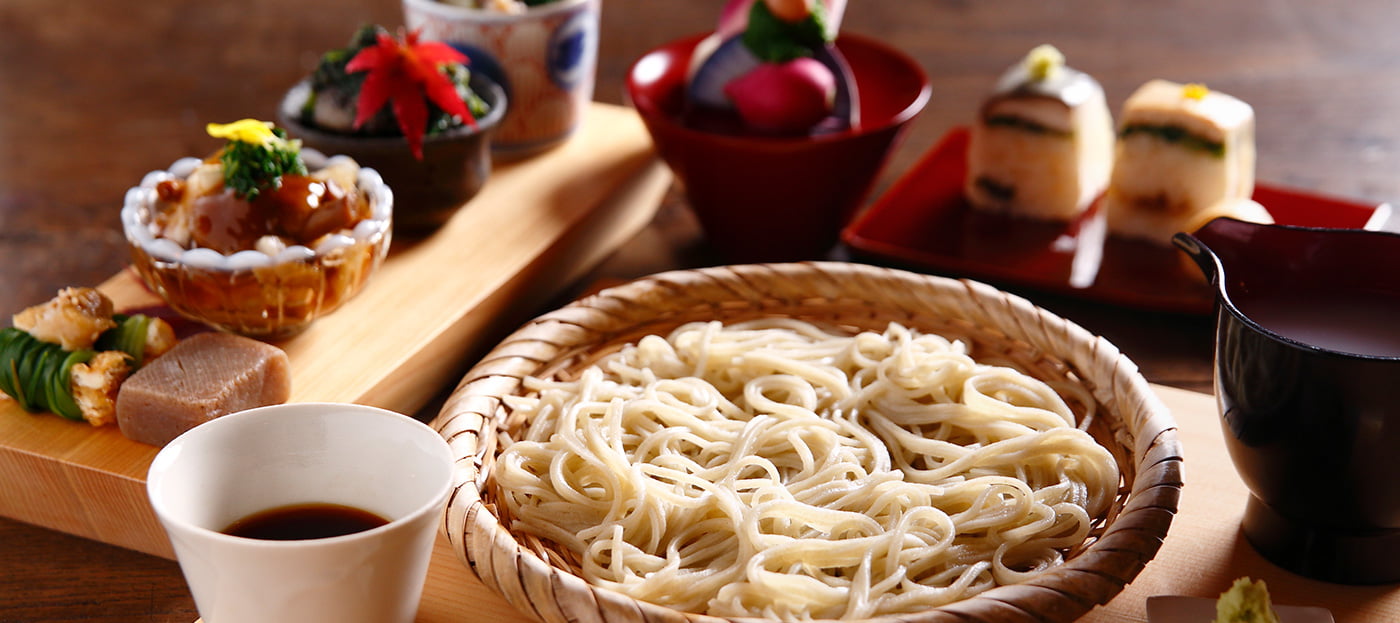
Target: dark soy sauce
[304,521]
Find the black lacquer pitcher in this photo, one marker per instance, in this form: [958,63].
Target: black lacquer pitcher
[1307,377]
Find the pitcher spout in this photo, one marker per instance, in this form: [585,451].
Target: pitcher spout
[1315,288]
[1225,244]
[1201,254]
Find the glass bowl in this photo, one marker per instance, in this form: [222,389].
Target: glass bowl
[266,295]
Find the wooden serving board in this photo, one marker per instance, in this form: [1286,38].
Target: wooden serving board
[536,227]
[1202,555]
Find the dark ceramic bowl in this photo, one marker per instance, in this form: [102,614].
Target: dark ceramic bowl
[772,198]
[427,192]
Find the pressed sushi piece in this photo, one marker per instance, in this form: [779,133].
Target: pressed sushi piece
[1042,144]
[1182,150]
[203,377]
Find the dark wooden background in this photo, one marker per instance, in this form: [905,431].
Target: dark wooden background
[95,93]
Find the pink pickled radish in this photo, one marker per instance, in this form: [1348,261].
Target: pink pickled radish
[784,97]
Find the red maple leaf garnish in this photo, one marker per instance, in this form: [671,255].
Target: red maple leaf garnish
[405,73]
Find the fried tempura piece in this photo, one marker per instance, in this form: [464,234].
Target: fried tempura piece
[73,319]
[160,338]
[95,385]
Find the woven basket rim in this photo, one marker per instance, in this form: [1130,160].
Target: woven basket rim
[1138,420]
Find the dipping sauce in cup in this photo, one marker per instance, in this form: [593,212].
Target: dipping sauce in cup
[305,521]
[348,497]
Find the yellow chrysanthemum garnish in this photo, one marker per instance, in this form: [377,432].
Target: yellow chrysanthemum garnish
[257,155]
[1195,91]
[1044,61]
[249,131]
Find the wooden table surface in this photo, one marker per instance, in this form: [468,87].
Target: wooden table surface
[93,94]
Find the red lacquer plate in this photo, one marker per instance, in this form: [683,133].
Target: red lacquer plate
[923,223]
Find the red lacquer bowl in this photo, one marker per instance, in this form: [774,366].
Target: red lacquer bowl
[777,198]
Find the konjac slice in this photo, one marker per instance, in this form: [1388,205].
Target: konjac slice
[203,377]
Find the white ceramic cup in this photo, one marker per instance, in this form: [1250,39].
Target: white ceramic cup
[243,463]
[545,58]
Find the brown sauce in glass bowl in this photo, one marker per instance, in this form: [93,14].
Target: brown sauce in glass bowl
[300,210]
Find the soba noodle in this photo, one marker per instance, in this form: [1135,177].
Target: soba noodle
[773,469]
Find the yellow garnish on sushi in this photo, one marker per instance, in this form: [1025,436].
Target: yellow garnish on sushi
[1044,61]
[1195,91]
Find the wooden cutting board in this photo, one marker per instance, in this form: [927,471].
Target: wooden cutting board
[536,227]
[1203,552]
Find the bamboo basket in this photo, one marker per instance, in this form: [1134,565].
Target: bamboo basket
[1131,422]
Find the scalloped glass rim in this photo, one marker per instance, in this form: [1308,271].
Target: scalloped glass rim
[140,231]
[448,10]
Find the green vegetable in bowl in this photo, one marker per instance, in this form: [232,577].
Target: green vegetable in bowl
[407,71]
[256,157]
[775,40]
